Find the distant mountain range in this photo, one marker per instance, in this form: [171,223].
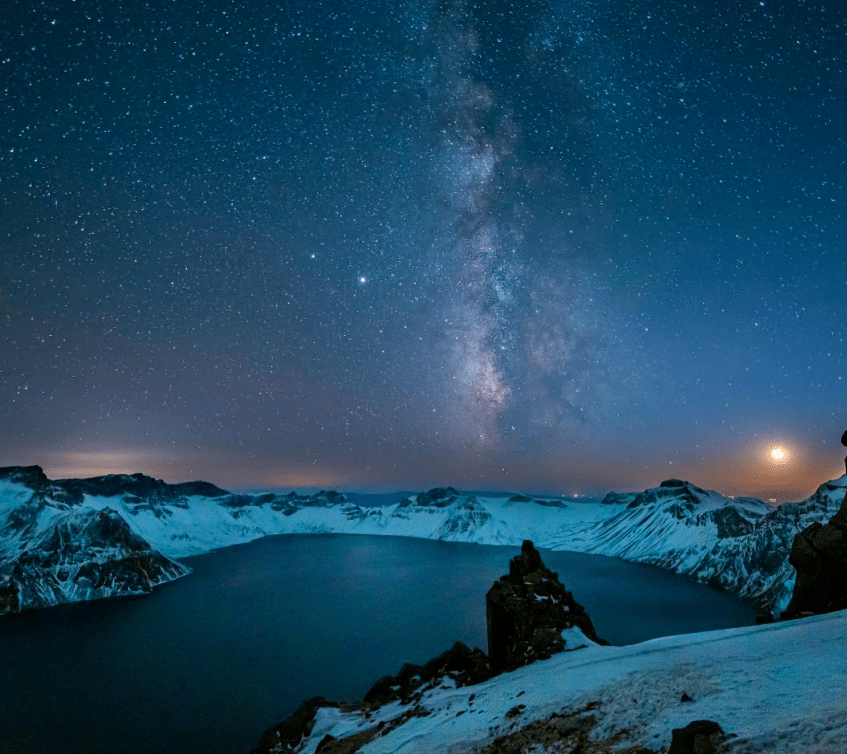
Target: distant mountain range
[79,539]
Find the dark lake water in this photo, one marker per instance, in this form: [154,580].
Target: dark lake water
[206,663]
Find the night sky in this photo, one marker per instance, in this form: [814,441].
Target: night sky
[567,246]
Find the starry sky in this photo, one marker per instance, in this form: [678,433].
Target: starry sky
[566,246]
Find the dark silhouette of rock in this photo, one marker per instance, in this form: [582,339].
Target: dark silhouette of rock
[527,610]
[698,737]
[31,476]
[464,665]
[819,554]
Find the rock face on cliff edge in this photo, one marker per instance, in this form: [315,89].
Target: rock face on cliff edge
[819,554]
[527,611]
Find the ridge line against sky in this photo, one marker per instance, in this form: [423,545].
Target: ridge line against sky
[577,246]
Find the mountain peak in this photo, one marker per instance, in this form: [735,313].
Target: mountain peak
[32,476]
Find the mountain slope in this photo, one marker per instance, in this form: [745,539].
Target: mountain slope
[83,555]
[771,688]
[55,550]
[756,565]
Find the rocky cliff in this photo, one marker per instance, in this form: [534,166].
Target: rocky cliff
[54,550]
[82,555]
[819,555]
[529,613]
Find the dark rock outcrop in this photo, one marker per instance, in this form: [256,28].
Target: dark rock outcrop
[463,665]
[819,554]
[136,488]
[31,476]
[698,737]
[527,610]
[437,497]
[286,736]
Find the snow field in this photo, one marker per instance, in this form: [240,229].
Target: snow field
[775,688]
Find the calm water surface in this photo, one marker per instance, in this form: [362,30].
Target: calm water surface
[206,663]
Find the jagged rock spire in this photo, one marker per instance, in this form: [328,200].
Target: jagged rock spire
[527,610]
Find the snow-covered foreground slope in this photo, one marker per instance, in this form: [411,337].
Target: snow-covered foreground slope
[741,545]
[775,688]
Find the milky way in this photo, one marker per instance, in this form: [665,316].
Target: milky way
[564,246]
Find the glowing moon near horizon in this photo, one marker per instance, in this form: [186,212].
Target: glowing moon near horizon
[777,454]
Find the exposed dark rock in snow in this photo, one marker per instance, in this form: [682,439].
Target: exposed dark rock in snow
[617,498]
[698,737]
[138,489]
[31,476]
[527,610]
[566,733]
[438,497]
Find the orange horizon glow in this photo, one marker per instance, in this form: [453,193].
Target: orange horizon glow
[755,473]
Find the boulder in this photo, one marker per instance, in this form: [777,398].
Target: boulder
[698,737]
[527,610]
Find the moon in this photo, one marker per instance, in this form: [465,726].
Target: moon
[777,454]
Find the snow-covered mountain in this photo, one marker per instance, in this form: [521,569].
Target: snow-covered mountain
[738,544]
[769,688]
[54,551]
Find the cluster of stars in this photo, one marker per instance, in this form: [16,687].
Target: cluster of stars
[568,240]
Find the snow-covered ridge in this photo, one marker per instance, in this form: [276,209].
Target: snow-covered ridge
[738,544]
